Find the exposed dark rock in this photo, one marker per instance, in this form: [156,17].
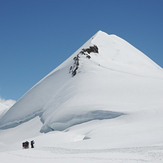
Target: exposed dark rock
[86,52]
[91,49]
[88,56]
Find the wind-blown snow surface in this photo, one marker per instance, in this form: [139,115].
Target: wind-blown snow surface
[99,104]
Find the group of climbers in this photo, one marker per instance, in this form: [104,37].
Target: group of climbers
[25,145]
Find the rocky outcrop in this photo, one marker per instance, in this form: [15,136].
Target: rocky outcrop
[86,52]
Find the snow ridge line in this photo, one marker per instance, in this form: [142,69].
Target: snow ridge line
[91,158]
[23,120]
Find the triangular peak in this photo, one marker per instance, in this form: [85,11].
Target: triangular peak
[100,34]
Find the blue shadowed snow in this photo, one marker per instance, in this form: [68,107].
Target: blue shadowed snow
[78,119]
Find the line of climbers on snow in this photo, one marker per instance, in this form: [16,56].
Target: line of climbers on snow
[86,52]
[25,145]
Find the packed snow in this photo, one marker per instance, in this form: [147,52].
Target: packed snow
[103,104]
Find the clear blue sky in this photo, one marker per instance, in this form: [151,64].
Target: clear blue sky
[37,35]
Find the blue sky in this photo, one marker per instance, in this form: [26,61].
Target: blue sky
[38,35]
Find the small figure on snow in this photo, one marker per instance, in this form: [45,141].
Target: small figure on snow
[25,145]
[32,144]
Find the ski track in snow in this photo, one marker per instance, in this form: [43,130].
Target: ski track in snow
[151,154]
[125,72]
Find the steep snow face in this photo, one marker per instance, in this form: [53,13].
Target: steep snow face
[104,79]
[117,54]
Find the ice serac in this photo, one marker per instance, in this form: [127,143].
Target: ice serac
[105,78]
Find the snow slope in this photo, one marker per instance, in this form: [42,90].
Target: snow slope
[103,104]
[116,76]
[69,146]
[106,78]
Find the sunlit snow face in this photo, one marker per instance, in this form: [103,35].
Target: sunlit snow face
[113,77]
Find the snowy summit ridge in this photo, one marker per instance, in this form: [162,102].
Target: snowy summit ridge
[106,78]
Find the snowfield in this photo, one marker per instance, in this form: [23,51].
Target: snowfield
[103,104]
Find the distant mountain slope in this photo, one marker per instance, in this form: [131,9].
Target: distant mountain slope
[5,105]
[104,79]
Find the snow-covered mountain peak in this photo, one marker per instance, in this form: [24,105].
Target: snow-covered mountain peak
[115,53]
[119,50]
[104,79]
[112,53]
[104,103]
